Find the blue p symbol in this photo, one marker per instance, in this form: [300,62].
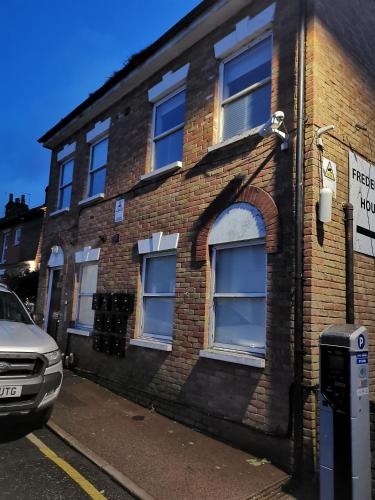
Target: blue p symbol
[361,341]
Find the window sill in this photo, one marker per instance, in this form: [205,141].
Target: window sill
[231,357]
[91,199]
[234,139]
[151,344]
[60,211]
[161,172]
[78,331]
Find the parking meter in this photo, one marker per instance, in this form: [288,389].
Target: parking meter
[345,459]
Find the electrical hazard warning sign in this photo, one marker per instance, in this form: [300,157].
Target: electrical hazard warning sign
[329,172]
[362,197]
[329,175]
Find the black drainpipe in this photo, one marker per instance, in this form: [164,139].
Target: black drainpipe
[348,210]
[298,257]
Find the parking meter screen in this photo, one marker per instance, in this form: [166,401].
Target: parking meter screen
[335,383]
[336,363]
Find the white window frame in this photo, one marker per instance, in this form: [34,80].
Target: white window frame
[248,90]
[17,235]
[78,325]
[102,167]
[142,335]
[5,246]
[168,132]
[232,347]
[66,185]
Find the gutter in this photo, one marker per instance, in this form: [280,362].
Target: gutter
[298,251]
[349,263]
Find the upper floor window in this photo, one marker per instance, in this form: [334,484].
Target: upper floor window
[168,137]
[65,185]
[246,89]
[17,235]
[4,250]
[98,167]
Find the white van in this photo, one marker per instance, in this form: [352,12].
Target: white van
[31,370]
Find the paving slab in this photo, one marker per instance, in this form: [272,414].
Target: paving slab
[164,458]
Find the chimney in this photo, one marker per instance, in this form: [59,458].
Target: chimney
[16,207]
[9,206]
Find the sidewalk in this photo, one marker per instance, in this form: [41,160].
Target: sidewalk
[164,459]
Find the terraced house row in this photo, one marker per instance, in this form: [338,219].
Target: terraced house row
[183,263]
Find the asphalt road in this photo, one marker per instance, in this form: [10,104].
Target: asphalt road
[36,464]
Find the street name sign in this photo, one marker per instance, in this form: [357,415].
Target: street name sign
[362,197]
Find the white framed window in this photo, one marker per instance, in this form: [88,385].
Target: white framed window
[168,130]
[238,281]
[4,250]
[98,167]
[88,277]
[65,184]
[238,315]
[17,236]
[245,90]
[158,292]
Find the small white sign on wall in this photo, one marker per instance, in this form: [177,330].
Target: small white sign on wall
[362,197]
[119,210]
[329,175]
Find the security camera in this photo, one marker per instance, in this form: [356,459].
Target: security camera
[274,123]
[272,126]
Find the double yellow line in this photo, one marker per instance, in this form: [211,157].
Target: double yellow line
[67,468]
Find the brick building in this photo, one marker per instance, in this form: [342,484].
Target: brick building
[164,185]
[21,237]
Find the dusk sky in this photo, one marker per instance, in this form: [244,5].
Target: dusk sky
[53,54]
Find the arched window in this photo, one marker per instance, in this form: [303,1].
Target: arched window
[239,263]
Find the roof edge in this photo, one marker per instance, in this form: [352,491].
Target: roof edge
[34,212]
[135,61]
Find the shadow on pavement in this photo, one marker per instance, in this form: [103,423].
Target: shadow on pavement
[14,428]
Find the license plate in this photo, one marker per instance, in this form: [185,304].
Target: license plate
[10,391]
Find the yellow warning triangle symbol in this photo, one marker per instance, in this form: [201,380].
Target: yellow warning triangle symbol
[329,173]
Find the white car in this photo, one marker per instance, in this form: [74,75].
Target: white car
[31,370]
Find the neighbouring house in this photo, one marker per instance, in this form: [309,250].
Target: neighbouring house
[183,262]
[20,244]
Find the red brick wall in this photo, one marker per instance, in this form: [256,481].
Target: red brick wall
[28,248]
[340,91]
[227,399]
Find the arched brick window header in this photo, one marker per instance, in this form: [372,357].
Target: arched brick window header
[267,207]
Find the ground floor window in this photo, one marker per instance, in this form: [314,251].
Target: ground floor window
[239,296]
[237,243]
[158,292]
[88,276]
